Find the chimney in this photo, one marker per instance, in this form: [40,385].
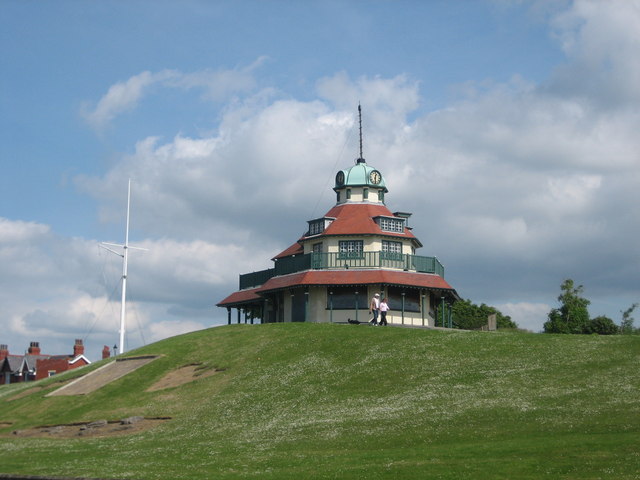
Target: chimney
[4,351]
[34,348]
[78,348]
[106,353]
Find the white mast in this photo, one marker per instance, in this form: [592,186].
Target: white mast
[125,257]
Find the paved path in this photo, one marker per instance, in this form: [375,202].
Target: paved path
[102,376]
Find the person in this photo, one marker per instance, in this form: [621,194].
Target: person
[384,308]
[374,308]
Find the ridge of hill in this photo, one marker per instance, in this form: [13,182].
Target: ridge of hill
[291,401]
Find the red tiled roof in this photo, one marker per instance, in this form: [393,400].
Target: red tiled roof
[295,249]
[242,296]
[352,219]
[356,277]
[357,219]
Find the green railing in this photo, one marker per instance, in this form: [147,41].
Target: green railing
[255,279]
[323,261]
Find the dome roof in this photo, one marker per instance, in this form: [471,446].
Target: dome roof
[360,175]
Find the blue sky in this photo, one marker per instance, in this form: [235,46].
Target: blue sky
[507,128]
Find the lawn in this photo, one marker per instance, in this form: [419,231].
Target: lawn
[291,401]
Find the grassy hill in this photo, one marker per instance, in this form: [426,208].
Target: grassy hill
[294,401]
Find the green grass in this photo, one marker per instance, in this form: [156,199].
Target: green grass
[339,401]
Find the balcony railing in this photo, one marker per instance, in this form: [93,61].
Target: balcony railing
[323,261]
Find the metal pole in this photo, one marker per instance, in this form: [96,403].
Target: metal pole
[442,314]
[125,256]
[403,294]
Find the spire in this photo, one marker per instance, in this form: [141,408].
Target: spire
[360,158]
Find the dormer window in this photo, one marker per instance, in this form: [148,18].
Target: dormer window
[388,224]
[316,227]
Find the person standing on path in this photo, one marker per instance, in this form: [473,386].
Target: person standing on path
[374,308]
[384,308]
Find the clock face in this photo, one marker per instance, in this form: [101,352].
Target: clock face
[375,177]
[340,178]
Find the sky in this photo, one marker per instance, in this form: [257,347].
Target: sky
[508,128]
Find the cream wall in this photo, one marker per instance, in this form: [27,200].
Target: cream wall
[357,195]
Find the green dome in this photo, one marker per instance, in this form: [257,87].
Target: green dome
[360,175]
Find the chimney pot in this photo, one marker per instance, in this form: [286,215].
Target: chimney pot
[34,348]
[106,353]
[78,348]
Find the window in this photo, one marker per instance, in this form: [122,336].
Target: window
[391,250]
[346,298]
[411,299]
[317,247]
[316,227]
[350,249]
[381,196]
[391,224]
[391,247]
[348,193]
[365,193]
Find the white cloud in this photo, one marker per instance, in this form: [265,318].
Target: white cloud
[601,40]
[124,96]
[160,330]
[528,316]
[121,97]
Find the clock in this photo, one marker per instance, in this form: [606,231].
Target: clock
[375,177]
[340,178]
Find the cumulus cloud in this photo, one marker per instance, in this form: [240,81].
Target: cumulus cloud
[601,41]
[73,287]
[125,96]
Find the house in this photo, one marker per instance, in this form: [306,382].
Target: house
[34,365]
[356,249]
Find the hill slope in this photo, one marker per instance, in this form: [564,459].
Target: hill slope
[339,401]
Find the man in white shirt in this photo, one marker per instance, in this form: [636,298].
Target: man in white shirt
[374,308]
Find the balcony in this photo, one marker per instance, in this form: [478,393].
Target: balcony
[324,261]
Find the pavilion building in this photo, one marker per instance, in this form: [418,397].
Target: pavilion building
[358,248]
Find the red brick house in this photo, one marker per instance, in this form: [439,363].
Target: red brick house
[34,365]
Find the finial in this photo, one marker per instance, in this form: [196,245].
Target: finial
[360,158]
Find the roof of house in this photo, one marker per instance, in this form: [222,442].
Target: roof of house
[14,362]
[295,249]
[17,363]
[355,277]
[343,278]
[357,219]
[352,219]
[240,297]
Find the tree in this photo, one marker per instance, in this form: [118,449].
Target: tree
[573,315]
[626,326]
[601,325]
[469,316]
